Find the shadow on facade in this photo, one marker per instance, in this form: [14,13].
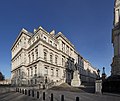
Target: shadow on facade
[111,84]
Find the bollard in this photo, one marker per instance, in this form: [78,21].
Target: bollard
[28,92]
[32,93]
[38,95]
[62,97]
[20,90]
[43,95]
[77,98]
[16,90]
[25,92]
[51,97]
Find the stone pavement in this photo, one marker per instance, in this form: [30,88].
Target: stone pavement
[69,96]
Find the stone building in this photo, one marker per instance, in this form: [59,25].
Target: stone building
[112,83]
[1,76]
[116,39]
[43,57]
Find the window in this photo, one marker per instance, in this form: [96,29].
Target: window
[56,59]
[56,45]
[63,46]
[36,51]
[32,56]
[29,58]
[71,51]
[31,71]
[64,73]
[52,72]
[37,37]
[35,81]
[45,38]
[45,56]
[57,72]
[51,58]
[67,49]
[46,71]
[63,60]
[28,72]
[19,72]
[33,40]
[50,42]
[35,70]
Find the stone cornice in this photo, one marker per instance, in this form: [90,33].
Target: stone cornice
[18,67]
[18,53]
[31,46]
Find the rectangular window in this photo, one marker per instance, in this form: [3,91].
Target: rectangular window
[57,74]
[52,72]
[45,38]
[63,61]
[63,73]
[67,50]
[71,52]
[36,51]
[63,46]
[32,56]
[50,42]
[29,58]
[46,71]
[51,58]
[31,71]
[56,45]
[28,72]
[56,58]
[35,81]
[45,56]
[35,71]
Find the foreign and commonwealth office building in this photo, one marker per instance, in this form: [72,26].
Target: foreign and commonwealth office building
[46,57]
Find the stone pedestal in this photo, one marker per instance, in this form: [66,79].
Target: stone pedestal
[76,79]
[98,86]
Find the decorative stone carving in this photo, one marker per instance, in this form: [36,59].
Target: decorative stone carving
[76,79]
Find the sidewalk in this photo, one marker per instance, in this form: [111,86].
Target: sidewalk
[111,94]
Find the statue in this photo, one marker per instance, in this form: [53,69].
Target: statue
[76,77]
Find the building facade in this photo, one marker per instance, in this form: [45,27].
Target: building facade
[1,76]
[116,39]
[43,57]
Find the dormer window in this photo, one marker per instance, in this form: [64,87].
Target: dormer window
[45,38]
[50,42]
[37,37]
[56,45]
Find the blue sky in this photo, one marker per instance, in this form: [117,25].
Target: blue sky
[86,23]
